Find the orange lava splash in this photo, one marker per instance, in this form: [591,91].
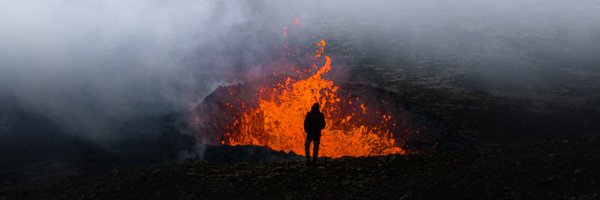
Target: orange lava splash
[277,120]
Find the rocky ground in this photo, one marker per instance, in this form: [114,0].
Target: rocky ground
[550,169]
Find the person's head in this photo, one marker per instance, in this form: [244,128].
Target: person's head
[315,107]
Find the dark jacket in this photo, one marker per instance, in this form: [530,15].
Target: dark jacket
[314,122]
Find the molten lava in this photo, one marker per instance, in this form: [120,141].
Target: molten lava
[275,118]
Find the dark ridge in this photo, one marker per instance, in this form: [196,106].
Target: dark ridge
[233,154]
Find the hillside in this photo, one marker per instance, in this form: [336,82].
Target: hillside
[553,169]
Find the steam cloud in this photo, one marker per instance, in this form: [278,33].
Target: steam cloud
[88,64]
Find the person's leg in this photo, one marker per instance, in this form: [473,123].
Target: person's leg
[316,151]
[307,149]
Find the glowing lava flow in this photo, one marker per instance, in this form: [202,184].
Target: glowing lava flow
[352,129]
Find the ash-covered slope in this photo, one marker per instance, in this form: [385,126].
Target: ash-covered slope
[554,169]
[36,150]
[33,148]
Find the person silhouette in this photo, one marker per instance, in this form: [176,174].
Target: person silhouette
[314,122]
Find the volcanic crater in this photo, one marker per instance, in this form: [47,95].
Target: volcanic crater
[377,112]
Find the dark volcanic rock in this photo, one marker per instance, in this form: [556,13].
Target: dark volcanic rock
[557,169]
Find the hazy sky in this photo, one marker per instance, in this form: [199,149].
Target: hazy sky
[89,64]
